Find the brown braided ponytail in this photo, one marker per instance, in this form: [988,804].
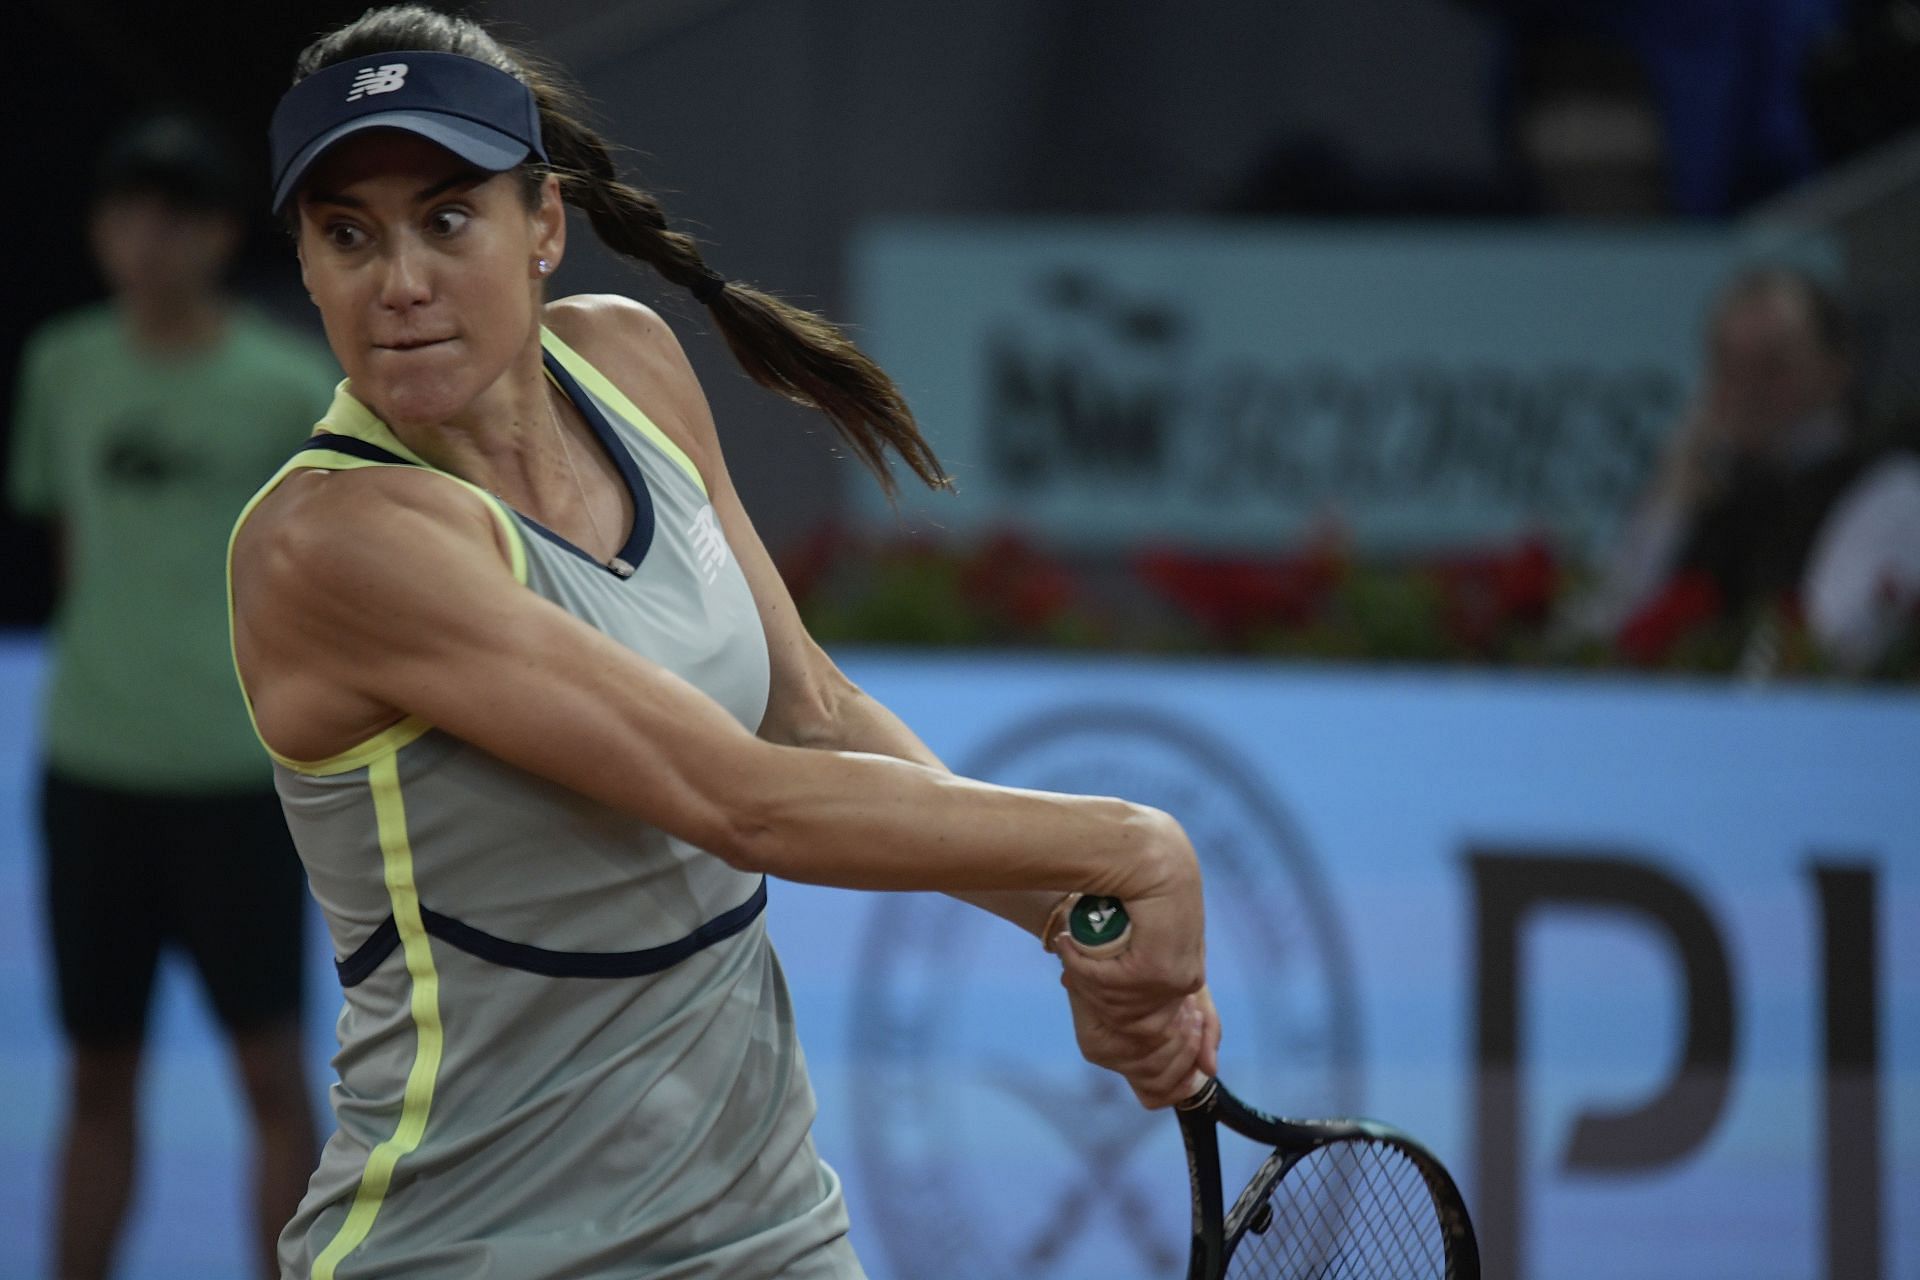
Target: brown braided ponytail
[795,353]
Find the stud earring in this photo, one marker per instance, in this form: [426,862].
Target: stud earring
[542,267]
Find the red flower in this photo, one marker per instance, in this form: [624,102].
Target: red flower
[1234,596]
[1529,581]
[807,566]
[1007,577]
[1690,601]
[1487,594]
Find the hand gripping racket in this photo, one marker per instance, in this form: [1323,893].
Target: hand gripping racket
[1335,1200]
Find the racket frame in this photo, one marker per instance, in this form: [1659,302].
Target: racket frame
[1218,1231]
[1100,926]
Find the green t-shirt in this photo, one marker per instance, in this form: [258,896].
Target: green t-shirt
[144,462]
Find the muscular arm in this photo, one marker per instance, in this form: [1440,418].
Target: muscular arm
[811,703]
[861,723]
[1132,1013]
[392,586]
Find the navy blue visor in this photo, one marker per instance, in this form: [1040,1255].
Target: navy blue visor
[478,112]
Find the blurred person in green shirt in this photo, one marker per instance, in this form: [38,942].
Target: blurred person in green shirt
[142,426]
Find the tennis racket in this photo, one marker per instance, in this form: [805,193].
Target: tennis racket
[1335,1200]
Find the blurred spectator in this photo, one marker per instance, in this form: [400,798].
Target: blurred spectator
[1767,468]
[1585,132]
[142,426]
[1583,137]
[1863,87]
[1863,581]
[1726,75]
[1310,176]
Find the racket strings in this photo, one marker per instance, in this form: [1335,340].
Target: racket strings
[1347,1211]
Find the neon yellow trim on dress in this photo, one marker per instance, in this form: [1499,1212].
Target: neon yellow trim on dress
[346,416]
[396,856]
[596,382]
[360,754]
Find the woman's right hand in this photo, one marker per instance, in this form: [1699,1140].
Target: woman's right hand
[1165,959]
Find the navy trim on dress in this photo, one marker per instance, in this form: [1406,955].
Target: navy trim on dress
[352,446]
[640,537]
[357,967]
[553,537]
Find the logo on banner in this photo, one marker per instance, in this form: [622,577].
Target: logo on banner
[988,1146]
[1094,393]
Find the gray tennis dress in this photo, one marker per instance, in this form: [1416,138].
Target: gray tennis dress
[566,1049]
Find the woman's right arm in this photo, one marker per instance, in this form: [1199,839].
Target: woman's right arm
[390,591]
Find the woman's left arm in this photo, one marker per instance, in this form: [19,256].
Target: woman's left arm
[811,702]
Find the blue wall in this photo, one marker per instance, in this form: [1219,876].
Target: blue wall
[1346,819]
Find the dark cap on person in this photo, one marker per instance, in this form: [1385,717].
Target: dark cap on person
[176,156]
[482,114]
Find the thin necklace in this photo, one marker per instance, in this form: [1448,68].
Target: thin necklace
[566,450]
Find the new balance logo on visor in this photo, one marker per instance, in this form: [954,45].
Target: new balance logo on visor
[378,80]
[709,544]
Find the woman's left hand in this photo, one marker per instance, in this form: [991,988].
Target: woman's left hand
[1165,1055]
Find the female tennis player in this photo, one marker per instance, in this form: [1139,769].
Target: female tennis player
[543,719]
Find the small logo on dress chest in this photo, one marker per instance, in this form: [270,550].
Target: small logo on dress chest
[709,544]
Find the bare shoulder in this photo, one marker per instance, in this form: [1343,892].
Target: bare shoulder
[638,351]
[593,317]
[622,338]
[350,591]
[331,537]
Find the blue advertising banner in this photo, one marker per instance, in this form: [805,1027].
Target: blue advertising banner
[1108,385]
[1637,959]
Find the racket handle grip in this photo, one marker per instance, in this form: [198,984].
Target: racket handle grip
[1099,926]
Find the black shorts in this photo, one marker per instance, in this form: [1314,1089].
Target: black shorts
[131,872]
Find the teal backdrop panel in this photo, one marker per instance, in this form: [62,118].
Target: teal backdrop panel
[1229,385]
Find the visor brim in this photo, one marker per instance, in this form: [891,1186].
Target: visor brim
[479,145]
